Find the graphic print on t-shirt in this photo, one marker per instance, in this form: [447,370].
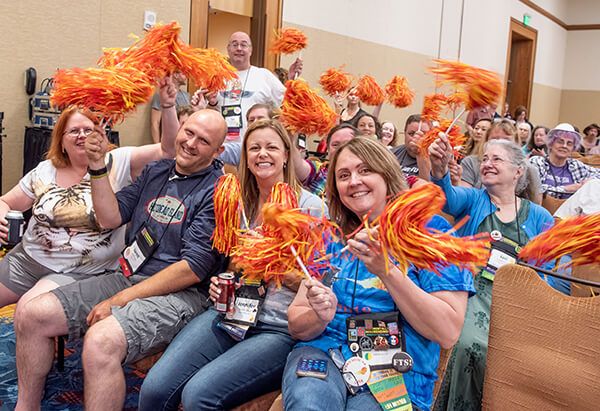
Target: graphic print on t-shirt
[166,209]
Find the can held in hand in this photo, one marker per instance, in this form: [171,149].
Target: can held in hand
[16,226]
[224,303]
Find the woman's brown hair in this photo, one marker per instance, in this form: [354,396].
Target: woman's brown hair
[380,160]
[248,181]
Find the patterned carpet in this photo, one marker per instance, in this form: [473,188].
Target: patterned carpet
[64,391]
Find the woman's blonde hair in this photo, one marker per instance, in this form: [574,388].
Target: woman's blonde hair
[506,125]
[380,160]
[248,183]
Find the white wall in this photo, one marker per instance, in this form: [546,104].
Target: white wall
[582,60]
[415,26]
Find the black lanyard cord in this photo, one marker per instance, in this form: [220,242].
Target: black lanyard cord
[516,216]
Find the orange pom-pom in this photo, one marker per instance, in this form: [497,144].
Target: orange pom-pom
[288,41]
[398,93]
[304,111]
[127,76]
[403,234]
[455,137]
[432,106]
[577,235]
[368,91]
[482,87]
[112,92]
[335,81]
[270,256]
[227,199]
[456,99]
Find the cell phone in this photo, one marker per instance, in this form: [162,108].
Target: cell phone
[308,367]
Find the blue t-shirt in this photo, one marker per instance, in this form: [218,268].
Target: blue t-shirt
[425,353]
[559,176]
[182,220]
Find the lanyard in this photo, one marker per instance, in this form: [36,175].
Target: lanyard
[243,87]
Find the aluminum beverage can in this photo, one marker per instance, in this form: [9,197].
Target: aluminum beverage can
[16,226]
[224,303]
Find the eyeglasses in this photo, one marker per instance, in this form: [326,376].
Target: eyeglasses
[243,45]
[494,160]
[74,132]
[561,142]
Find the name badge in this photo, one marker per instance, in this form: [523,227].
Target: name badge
[503,251]
[234,120]
[139,251]
[376,338]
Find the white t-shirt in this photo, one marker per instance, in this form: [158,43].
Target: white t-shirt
[255,86]
[62,233]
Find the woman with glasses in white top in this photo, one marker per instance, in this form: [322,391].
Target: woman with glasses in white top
[62,242]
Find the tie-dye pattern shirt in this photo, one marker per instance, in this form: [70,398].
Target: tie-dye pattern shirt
[371,298]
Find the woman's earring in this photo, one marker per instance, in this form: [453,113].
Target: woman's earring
[284,165]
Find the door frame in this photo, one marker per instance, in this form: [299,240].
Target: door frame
[529,33]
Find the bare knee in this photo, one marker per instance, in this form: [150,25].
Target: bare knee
[42,315]
[104,342]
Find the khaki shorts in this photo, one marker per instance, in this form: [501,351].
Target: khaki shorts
[19,272]
[149,323]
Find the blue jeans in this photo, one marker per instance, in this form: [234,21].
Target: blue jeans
[204,368]
[309,393]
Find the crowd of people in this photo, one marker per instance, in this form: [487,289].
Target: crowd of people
[118,251]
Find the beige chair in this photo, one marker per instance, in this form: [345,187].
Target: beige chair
[544,347]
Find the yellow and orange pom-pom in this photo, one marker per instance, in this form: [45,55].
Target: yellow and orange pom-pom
[456,99]
[577,235]
[227,200]
[304,111]
[127,77]
[482,87]
[335,81]
[432,106]
[288,41]
[398,93]
[405,238]
[284,195]
[270,257]
[368,91]
[455,137]
[112,92]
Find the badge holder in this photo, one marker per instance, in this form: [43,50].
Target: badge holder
[234,120]
[139,251]
[503,251]
[377,340]
[248,302]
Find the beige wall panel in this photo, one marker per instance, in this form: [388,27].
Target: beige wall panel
[545,105]
[580,108]
[326,50]
[221,25]
[48,35]
[242,7]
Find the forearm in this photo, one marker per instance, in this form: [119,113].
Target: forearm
[106,207]
[155,125]
[170,127]
[175,277]
[301,167]
[424,166]
[432,317]
[304,324]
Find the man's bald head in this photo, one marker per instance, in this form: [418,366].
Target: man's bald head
[199,141]
[239,49]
